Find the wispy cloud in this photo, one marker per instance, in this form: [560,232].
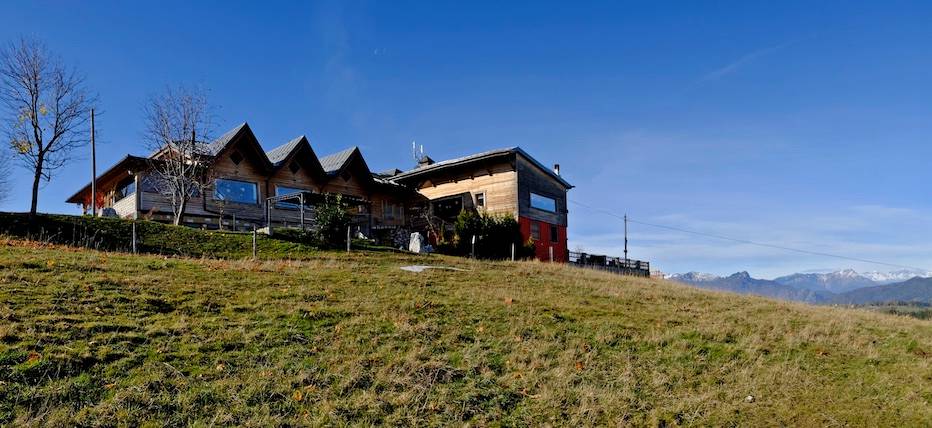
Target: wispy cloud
[744,60]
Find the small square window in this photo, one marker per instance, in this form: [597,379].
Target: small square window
[554,234]
[480,200]
[535,231]
[236,158]
[294,167]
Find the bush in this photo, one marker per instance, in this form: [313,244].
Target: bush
[494,236]
[331,221]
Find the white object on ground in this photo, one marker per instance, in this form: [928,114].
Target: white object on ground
[422,268]
[416,245]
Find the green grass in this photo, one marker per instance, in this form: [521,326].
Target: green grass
[95,338]
[152,237]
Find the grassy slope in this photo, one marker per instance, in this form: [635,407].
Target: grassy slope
[101,338]
[152,237]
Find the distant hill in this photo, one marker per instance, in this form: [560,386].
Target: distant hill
[835,282]
[743,283]
[842,287]
[913,290]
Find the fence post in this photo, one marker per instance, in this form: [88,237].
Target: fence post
[255,239]
[512,251]
[134,237]
[348,237]
[551,254]
[473,251]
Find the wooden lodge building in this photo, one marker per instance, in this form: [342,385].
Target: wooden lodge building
[245,181]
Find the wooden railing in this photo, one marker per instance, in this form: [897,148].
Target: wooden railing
[612,264]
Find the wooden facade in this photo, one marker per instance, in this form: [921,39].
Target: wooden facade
[499,182]
[504,182]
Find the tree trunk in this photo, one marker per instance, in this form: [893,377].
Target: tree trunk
[37,177]
[180,214]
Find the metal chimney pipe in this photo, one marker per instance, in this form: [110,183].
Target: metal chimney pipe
[556,169]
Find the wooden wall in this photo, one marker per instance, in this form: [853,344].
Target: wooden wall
[499,182]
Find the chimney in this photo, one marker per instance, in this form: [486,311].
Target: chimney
[424,161]
[556,169]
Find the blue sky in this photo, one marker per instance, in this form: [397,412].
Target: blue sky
[803,124]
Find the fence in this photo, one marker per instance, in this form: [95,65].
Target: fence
[617,265]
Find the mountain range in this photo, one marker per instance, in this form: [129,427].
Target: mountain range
[840,287]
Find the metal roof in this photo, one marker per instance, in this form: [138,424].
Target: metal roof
[437,166]
[333,162]
[221,142]
[278,154]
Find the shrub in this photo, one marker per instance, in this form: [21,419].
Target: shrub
[331,221]
[494,236]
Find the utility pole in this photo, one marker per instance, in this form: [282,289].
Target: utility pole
[93,170]
[626,238]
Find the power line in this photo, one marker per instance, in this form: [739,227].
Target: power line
[746,241]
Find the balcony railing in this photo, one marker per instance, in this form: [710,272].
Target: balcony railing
[618,265]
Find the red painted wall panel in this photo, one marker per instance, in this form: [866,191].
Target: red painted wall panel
[542,245]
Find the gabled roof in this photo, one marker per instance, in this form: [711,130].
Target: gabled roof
[278,155]
[438,166]
[234,135]
[217,146]
[123,166]
[334,162]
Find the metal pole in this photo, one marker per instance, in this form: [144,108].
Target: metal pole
[134,237]
[301,199]
[268,216]
[626,238]
[473,246]
[93,169]
[512,251]
[348,235]
[255,238]
[551,253]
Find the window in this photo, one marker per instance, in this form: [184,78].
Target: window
[236,158]
[391,210]
[535,231]
[554,234]
[291,203]
[242,192]
[480,200]
[543,203]
[125,189]
[294,167]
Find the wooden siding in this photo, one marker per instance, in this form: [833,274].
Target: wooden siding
[532,179]
[351,183]
[498,182]
[126,207]
[382,218]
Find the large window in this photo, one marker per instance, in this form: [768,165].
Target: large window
[285,190]
[242,192]
[543,203]
[125,189]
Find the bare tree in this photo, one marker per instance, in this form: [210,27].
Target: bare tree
[177,123]
[4,176]
[45,110]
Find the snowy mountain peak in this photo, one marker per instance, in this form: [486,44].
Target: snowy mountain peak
[693,277]
[901,275]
